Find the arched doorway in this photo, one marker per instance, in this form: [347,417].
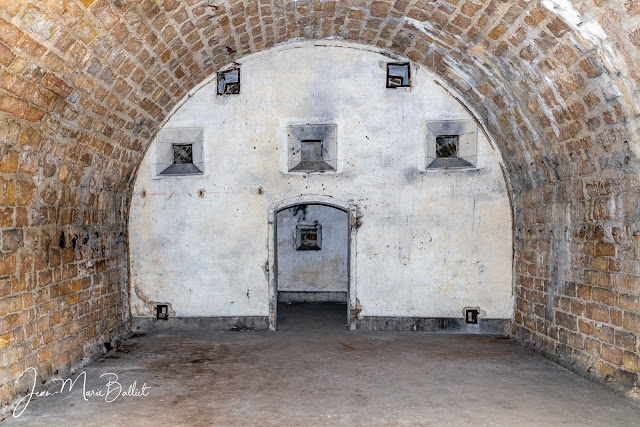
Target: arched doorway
[310,251]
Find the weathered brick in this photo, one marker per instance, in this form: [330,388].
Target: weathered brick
[605,249]
[612,354]
[626,340]
[558,27]
[631,322]
[379,9]
[7,265]
[583,292]
[5,339]
[497,31]
[13,105]
[6,55]
[597,312]
[591,67]
[566,320]
[535,15]
[102,10]
[56,85]
[605,296]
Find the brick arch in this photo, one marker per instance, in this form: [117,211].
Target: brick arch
[85,84]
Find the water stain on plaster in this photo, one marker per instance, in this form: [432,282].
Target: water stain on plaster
[265,269]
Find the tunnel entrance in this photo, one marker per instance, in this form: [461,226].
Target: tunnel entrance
[312,265]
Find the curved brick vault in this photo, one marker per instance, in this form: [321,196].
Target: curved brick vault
[85,84]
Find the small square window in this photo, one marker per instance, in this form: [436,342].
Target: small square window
[182,154]
[446,146]
[308,237]
[398,75]
[229,82]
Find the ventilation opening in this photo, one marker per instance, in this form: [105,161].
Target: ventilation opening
[312,148]
[162,311]
[398,75]
[312,157]
[182,154]
[308,237]
[451,144]
[471,316]
[182,161]
[229,82]
[447,146]
[179,151]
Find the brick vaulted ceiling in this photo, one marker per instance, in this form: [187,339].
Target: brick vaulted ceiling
[103,74]
[85,85]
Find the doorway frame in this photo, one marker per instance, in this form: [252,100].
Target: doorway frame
[350,209]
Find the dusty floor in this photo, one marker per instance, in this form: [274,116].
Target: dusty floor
[313,371]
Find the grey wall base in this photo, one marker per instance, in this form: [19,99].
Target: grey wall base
[239,323]
[363,324]
[447,325]
[315,296]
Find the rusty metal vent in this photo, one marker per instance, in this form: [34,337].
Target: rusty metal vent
[398,75]
[308,237]
[229,82]
[471,316]
[182,161]
[162,311]
[447,146]
[182,154]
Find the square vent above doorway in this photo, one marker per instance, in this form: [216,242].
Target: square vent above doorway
[312,148]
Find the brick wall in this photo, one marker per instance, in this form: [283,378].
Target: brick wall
[84,85]
[577,270]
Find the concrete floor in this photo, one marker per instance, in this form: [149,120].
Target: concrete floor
[314,371]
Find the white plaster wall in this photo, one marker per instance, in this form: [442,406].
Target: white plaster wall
[325,270]
[430,243]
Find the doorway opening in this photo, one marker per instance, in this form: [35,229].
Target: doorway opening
[311,245]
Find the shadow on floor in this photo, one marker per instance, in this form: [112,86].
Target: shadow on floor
[317,317]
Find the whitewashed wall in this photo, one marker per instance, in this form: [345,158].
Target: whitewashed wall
[325,270]
[430,243]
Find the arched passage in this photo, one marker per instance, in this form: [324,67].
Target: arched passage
[312,245]
[321,200]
